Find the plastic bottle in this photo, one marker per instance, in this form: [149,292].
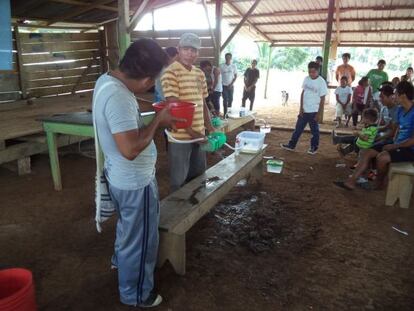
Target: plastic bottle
[237,146]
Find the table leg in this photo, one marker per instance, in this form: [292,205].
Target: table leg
[54,160]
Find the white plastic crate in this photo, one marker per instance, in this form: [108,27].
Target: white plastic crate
[250,142]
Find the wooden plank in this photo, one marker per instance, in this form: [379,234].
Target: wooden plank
[9,82]
[55,90]
[59,73]
[60,46]
[9,96]
[166,42]
[61,81]
[58,66]
[58,37]
[55,57]
[205,33]
[178,215]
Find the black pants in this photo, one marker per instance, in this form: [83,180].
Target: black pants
[356,112]
[249,95]
[227,97]
[215,98]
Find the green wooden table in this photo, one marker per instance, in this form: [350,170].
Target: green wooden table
[78,124]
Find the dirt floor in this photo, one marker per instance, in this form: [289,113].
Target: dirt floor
[293,242]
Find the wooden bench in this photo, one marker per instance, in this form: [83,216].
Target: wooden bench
[183,208]
[400,184]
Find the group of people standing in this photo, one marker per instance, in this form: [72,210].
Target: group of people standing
[220,83]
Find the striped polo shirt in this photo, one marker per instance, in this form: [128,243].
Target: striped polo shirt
[186,85]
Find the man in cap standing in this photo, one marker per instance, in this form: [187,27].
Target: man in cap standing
[183,81]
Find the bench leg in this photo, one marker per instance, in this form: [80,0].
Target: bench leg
[399,188]
[406,188]
[392,190]
[257,173]
[172,248]
[23,166]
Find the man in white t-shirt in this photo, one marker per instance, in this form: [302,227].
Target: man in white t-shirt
[229,76]
[313,96]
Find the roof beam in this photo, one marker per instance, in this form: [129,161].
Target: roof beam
[325,11]
[240,24]
[79,11]
[81,3]
[320,32]
[139,13]
[248,22]
[345,20]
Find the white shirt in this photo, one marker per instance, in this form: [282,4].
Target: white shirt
[313,89]
[219,85]
[343,93]
[228,72]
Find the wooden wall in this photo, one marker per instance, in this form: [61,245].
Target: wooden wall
[53,64]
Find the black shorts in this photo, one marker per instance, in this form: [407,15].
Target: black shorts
[402,155]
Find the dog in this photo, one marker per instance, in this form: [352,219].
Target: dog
[285,98]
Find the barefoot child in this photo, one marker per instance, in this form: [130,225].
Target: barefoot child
[343,101]
[362,140]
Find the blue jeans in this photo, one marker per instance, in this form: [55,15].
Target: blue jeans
[227,97]
[300,126]
[136,243]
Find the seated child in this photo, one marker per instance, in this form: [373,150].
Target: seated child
[343,101]
[362,140]
[361,99]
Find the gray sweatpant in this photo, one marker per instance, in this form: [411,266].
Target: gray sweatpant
[186,161]
[136,243]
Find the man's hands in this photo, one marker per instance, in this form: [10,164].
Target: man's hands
[165,119]
[196,135]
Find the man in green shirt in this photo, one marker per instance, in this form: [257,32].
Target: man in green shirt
[376,78]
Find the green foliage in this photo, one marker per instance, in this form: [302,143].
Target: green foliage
[289,58]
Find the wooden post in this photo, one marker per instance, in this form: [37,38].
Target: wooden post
[103,44]
[209,25]
[326,48]
[219,15]
[268,69]
[22,80]
[124,38]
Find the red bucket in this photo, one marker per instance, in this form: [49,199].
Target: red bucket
[17,290]
[179,109]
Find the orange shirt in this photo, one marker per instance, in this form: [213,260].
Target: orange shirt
[345,71]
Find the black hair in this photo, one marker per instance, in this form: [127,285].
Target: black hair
[228,54]
[387,89]
[171,51]
[144,58]
[344,78]
[313,65]
[381,61]
[346,55]
[205,63]
[405,88]
[363,79]
[371,114]
[254,60]
[410,68]
[319,57]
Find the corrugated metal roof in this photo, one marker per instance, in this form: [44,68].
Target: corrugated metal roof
[289,21]
[371,21]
